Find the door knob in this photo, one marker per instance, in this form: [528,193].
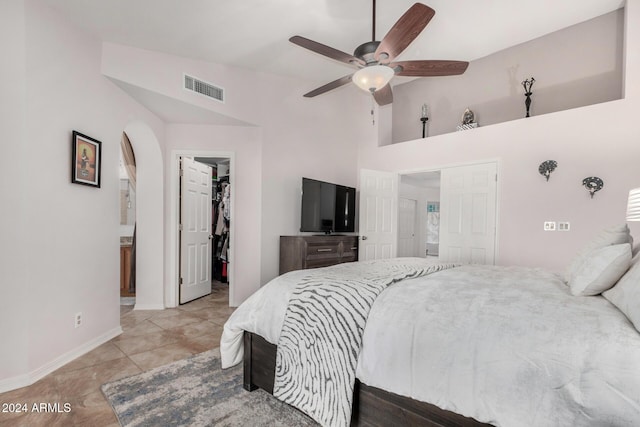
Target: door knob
[364,237]
[210,236]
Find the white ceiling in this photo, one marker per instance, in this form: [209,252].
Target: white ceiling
[254,34]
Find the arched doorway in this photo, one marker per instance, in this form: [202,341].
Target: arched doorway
[149,216]
[127,176]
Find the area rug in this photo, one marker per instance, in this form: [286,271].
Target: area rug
[197,392]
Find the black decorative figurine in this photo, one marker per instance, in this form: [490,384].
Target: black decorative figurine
[528,84]
[424,119]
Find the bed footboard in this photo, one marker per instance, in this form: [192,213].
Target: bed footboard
[375,407]
[371,406]
[259,363]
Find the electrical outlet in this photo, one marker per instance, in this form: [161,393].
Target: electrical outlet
[78,319]
[564,226]
[549,226]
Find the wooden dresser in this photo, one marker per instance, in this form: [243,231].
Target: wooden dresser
[301,252]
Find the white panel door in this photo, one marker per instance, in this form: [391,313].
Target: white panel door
[468,214]
[195,236]
[407,227]
[378,223]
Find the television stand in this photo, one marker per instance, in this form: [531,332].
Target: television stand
[303,252]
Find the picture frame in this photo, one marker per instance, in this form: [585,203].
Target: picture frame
[86,160]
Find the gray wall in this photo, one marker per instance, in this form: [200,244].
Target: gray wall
[574,67]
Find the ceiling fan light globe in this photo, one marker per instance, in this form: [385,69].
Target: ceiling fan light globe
[373,78]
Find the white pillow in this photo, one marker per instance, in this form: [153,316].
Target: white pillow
[626,293]
[611,236]
[601,269]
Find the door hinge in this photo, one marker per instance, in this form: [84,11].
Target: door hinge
[181,280]
[180,227]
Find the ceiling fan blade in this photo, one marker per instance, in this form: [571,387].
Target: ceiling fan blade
[326,51]
[329,86]
[384,96]
[404,32]
[429,68]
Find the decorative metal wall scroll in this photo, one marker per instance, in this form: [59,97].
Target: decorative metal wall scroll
[547,167]
[593,184]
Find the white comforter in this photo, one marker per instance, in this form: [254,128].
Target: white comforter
[506,346]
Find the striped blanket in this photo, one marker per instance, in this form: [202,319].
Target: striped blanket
[322,332]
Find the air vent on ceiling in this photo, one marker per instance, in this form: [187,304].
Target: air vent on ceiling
[203,88]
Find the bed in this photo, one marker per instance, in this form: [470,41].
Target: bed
[469,345]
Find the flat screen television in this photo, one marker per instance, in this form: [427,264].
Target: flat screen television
[327,208]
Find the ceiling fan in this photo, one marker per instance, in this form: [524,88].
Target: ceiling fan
[374,58]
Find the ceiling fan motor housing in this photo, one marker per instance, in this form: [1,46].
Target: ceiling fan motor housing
[366,50]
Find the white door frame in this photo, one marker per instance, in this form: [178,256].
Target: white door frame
[498,163]
[173,272]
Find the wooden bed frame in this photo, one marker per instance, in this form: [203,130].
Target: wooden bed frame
[371,406]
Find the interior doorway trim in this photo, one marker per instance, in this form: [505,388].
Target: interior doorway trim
[150,217]
[171,291]
[498,164]
[437,168]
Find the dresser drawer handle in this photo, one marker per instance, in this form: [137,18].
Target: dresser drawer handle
[354,248]
[324,250]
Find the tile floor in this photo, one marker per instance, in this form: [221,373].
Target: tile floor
[150,339]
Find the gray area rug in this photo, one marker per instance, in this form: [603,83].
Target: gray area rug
[197,392]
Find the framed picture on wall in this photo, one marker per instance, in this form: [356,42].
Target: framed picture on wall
[86,160]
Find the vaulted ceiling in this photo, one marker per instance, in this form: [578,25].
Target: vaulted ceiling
[254,34]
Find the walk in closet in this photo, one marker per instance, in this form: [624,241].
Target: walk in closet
[220,218]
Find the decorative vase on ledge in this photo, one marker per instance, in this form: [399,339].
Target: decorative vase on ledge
[468,121]
[528,84]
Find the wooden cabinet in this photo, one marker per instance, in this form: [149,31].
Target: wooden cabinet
[302,252]
[125,270]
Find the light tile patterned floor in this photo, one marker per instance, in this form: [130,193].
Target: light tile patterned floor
[150,339]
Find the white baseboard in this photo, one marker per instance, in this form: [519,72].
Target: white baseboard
[14,383]
[148,307]
[41,372]
[127,300]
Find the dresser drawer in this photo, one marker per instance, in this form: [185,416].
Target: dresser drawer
[322,249]
[347,258]
[321,254]
[321,262]
[350,250]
